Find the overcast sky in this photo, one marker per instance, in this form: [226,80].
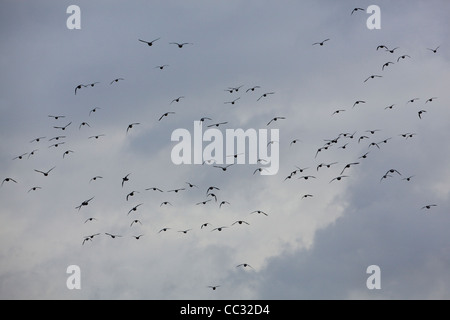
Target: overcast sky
[316,247]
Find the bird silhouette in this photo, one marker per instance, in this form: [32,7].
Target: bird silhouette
[163,230]
[219,228]
[181,45]
[253,88]
[191,185]
[245,265]
[223,203]
[135,222]
[84,203]
[125,179]
[45,173]
[403,57]
[176,190]
[428,206]
[116,80]
[205,225]
[20,157]
[32,153]
[56,117]
[8,180]
[113,236]
[161,67]
[177,99]
[93,110]
[34,189]
[90,220]
[357,9]
[338,111]
[131,194]
[434,50]
[392,50]
[420,113]
[138,237]
[275,119]
[165,203]
[347,166]
[185,231]
[134,209]
[130,126]
[63,128]
[320,43]
[223,168]
[166,115]
[67,152]
[95,178]
[154,189]
[57,138]
[240,222]
[149,43]
[259,212]
[217,124]
[37,139]
[213,287]
[430,100]
[358,102]
[339,178]
[97,136]
[264,95]
[386,65]
[203,202]
[372,77]
[232,102]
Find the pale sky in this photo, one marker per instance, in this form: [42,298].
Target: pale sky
[314,247]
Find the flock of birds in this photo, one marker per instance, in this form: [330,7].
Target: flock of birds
[343,140]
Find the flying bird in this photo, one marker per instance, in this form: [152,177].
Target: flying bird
[347,166]
[431,99]
[125,179]
[131,194]
[8,180]
[264,95]
[45,173]
[373,76]
[95,178]
[177,99]
[166,115]
[218,229]
[429,206]
[113,236]
[93,110]
[84,203]
[338,111]
[180,45]
[420,113]
[386,65]
[408,178]
[135,222]
[84,124]
[67,152]
[357,9]
[392,50]
[276,119]
[154,189]
[90,220]
[78,87]
[259,212]
[185,231]
[37,139]
[97,136]
[223,203]
[223,168]
[161,67]
[56,117]
[134,208]
[163,230]
[381,46]
[34,189]
[245,265]
[130,126]
[165,203]
[217,124]
[211,188]
[149,43]
[191,185]
[203,202]
[338,178]
[403,57]
[177,190]
[240,222]
[138,237]
[434,50]
[320,43]
[116,80]
[205,225]
[63,128]
[253,88]
[20,157]
[294,141]
[307,196]
[358,102]
[232,102]
[307,177]
[213,287]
